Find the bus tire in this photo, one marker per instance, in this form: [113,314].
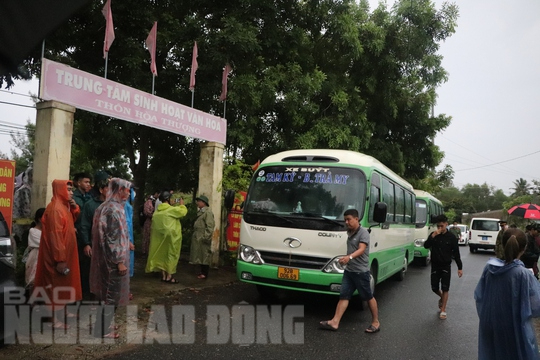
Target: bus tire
[425,261]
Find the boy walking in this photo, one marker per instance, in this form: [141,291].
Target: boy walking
[444,246]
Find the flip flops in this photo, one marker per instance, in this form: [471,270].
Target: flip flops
[60,325]
[442,315]
[111,335]
[172,281]
[324,325]
[372,329]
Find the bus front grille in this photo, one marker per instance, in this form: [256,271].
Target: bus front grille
[298,261]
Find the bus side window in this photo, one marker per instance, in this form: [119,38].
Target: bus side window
[389,199]
[374,196]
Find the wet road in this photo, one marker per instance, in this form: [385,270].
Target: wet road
[410,327]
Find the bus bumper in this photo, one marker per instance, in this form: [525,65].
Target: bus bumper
[308,280]
[421,252]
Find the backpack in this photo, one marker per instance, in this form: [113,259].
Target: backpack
[142,216]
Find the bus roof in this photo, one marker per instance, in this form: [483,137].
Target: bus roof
[421,194]
[330,156]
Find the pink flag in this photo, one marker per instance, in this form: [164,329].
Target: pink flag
[109,28]
[194,66]
[151,44]
[226,72]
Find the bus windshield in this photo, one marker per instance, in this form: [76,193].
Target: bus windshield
[315,193]
[421,213]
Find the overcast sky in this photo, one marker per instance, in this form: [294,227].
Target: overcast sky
[493,94]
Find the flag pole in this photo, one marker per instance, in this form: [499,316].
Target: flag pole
[192,96]
[224,108]
[42,56]
[106,62]
[153,82]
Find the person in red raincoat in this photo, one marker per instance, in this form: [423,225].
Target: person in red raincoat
[58,281]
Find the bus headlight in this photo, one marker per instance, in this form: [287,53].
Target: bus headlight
[419,242]
[249,255]
[334,267]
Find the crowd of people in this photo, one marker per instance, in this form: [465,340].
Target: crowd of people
[81,246]
[507,295]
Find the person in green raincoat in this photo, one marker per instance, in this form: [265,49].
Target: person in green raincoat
[166,238]
[201,242]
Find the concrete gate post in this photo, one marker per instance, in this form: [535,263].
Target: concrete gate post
[210,184]
[54,129]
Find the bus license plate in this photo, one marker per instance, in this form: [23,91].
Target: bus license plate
[288,273]
[484,237]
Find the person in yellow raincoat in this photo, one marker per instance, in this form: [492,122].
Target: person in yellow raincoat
[201,242]
[166,238]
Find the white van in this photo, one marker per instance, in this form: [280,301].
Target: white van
[483,233]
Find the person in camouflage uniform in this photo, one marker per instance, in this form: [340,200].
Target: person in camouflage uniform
[456,230]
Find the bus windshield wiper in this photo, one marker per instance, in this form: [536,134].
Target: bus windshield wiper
[266,212]
[319,216]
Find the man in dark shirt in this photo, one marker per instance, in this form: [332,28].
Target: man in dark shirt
[444,246]
[532,251]
[356,275]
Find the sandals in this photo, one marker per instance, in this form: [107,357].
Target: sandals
[71,315]
[172,281]
[442,315]
[372,329]
[111,335]
[326,326]
[201,276]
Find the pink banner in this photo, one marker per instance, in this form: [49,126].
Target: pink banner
[93,93]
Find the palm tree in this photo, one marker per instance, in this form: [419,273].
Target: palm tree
[521,187]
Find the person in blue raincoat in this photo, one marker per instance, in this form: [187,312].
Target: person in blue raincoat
[507,298]
[128,209]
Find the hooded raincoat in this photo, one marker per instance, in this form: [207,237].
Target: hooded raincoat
[58,244]
[165,238]
[507,298]
[110,246]
[201,242]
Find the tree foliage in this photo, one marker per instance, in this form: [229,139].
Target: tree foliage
[306,74]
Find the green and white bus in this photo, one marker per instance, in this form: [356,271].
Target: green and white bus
[427,206]
[293,233]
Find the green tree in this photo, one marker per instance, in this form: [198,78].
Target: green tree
[22,150]
[521,187]
[236,175]
[328,74]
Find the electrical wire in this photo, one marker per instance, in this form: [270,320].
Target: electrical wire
[16,93]
[501,162]
[14,104]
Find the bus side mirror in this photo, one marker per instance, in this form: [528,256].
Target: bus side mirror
[379,212]
[229,199]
